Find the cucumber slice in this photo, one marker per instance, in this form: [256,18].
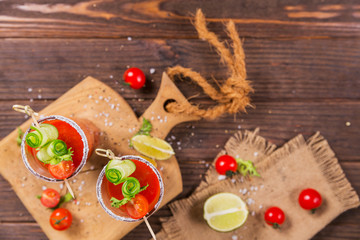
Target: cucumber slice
[43,155]
[118,170]
[42,135]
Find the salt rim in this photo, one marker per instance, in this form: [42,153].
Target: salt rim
[111,213]
[83,138]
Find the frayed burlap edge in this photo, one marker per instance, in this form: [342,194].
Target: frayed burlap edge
[333,172]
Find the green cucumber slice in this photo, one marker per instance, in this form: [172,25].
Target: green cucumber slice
[118,170]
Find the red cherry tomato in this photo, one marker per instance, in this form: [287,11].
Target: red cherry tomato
[135,78]
[61,219]
[226,164]
[310,199]
[50,198]
[62,170]
[274,216]
[137,207]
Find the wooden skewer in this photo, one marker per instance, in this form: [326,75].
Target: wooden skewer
[150,229]
[106,153]
[69,187]
[29,111]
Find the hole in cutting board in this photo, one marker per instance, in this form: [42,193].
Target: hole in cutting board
[167,102]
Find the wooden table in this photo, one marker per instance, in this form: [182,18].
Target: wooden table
[303,60]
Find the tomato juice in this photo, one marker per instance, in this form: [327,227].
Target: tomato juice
[145,175]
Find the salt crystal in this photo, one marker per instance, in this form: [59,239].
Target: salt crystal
[161,168]
[221,177]
[39,96]
[178,143]
[31,100]
[260,206]
[112,106]
[252,213]
[250,201]
[97,65]
[152,70]
[61,186]
[88,204]
[261,186]
[22,185]
[255,188]
[85,106]
[101,97]
[129,38]
[96,101]
[110,124]
[92,167]
[26,116]
[234,237]
[78,203]
[90,96]
[44,188]
[74,181]
[111,76]
[244,191]
[81,220]
[233,180]
[98,215]
[239,126]
[256,153]
[80,188]
[29,89]
[173,137]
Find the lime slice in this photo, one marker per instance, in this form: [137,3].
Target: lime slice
[225,212]
[152,147]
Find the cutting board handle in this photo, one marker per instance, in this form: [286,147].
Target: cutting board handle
[160,118]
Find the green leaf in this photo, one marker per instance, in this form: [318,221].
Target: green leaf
[19,137]
[145,129]
[117,203]
[246,168]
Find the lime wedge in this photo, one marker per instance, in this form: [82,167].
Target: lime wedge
[225,212]
[152,147]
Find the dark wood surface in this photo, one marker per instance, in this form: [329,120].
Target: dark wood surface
[303,58]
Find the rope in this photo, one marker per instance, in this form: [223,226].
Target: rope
[232,96]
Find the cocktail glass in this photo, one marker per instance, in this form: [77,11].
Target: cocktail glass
[103,194]
[86,135]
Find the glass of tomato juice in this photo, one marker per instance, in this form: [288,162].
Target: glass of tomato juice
[146,173]
[79,134]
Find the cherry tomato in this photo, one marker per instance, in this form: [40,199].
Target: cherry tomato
[310,199]
[61,219]
[226,164]
[50,198]
[134,77]
[137,207]
[274,216]
[62,170]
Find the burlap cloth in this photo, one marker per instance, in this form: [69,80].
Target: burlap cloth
[284,173]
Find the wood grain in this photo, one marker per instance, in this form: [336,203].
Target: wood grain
[171,19]
[300,70]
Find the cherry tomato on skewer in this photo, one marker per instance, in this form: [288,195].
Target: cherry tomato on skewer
[274,216]
[62,170]
[50,198]
[61,219]
[137,207]
[134,77]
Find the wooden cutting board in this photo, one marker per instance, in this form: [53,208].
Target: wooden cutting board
[93,100]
